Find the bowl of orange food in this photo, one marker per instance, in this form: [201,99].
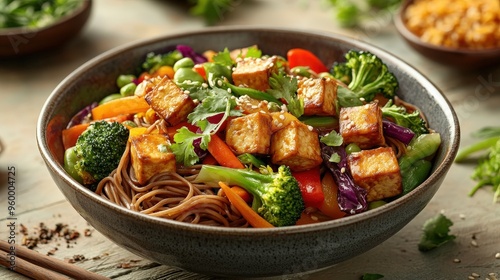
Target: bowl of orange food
[247,152]
[462,34]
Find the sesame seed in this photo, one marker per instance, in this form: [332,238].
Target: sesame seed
[456,260]
[310,128]
[342,170]
[475,275]
[497,256]
[492,274]
[282,117]
[462,216]
[362,99]
[471,277]
[204,85]
[473,243]
[229,90]
[186,91]
[254,106]
[219,83]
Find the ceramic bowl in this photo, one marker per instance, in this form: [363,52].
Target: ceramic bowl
[235,252]
[461,58]
[19,41]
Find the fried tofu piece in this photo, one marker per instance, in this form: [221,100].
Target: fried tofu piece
[362,125]
[281,120]
[150,156]
[320,96]
[377,171]
[250,134]
[250,105]
[169,101]
[297,146]
[254,72]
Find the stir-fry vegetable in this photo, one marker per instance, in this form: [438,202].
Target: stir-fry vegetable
[279,141]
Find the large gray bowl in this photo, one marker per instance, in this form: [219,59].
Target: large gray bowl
[234,251]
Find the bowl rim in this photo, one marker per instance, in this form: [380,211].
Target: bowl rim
[401,27]
[86,5]
[439,170]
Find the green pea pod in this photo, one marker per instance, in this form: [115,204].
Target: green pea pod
[419,148]
[253,93]
[320,121]
[128,89]
[185,62]
[70,160]
[416,174]
[124,79]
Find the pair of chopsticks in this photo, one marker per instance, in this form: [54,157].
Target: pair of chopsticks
[38,266]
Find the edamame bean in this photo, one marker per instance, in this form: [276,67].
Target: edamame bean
[128,89]
[185,62]
[187,74]
[70,160]
[124,79]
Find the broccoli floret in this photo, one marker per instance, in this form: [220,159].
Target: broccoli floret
[99,149]
[365,75]
[401,117]
[277,194]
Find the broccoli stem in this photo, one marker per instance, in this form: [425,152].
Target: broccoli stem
[476,147]
[252,181]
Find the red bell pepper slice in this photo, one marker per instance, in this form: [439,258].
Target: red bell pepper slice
[303,57]
[310,187]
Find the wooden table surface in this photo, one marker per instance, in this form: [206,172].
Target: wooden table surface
[26,83]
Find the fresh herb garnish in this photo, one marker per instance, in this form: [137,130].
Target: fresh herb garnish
[435,233]
[285,87]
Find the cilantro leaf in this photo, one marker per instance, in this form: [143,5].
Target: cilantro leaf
[183,147]
[283,86]
[435,233]
[332,139]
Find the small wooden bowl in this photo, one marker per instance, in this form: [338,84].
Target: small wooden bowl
[455,57]
[20,41]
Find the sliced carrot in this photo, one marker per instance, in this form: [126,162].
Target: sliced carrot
[254,219]
[222,153]
[247,197]
[120,106]
[209,159]
[201,70]
[70,135]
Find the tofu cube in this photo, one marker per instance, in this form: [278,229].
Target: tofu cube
[254,72]
[250,134]
[362,125]
[169,101]
[250,105]
[320,96]
[377,171]
[297,146]
[150,156]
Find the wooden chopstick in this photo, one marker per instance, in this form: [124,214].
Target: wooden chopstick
[39,266]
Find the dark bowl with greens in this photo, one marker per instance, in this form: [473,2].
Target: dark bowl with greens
[230,251]
[28,26]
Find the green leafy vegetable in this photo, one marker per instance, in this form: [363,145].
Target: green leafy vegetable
[211,10]
[435,233]
[154,61]
[487,171]
[349,13]
[284,86]
[34,13]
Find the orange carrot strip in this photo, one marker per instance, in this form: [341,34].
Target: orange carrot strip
[254,219]
[241,192]
[222,153]
[70,135]
[120,106]
[209,159]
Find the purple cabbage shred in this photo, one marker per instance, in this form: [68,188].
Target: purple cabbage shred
[82,116]
[396,131]
[351,197]
[187,51]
